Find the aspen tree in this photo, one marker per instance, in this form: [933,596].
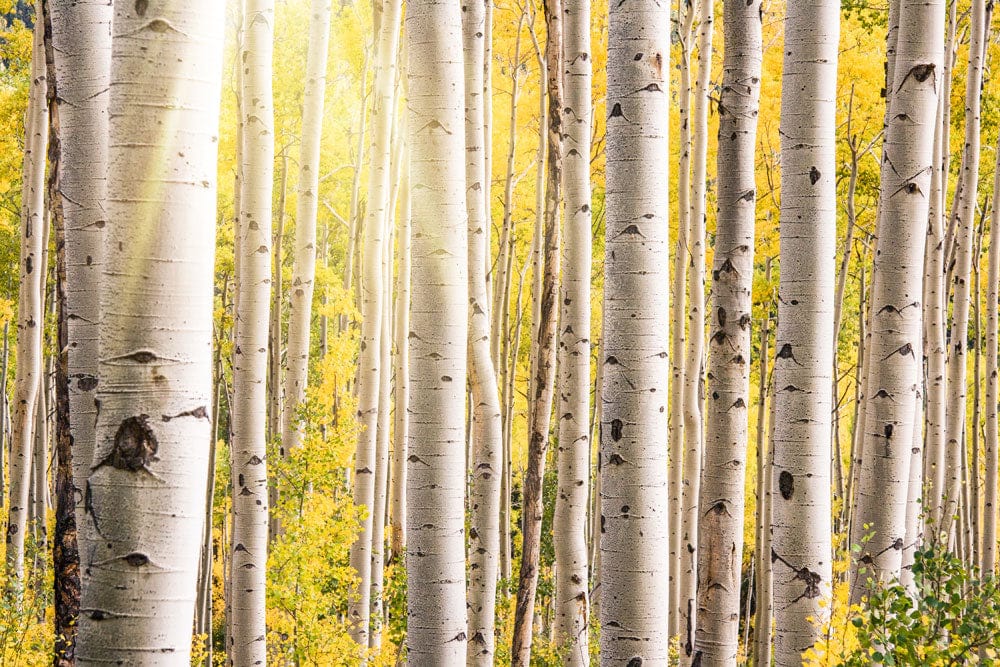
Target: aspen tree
[438,335]
[573,452]
[300,294]
[762,552]
[801,520]
[543,375]
[401,361]
[678,310]
[246,614]
[894,382]
[81,40]
[635,559]
[694,359]
[988,563]
[963,242]
[369,361]
[147,482]
[722,499]
[485,465]
[27,378]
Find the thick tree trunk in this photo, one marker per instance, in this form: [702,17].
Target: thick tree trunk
[635,522]
[146,487]
[247,627]
[27,378]
[573,452]
[435,484]
[722,499]
[546,336]
[801,524]
[963,242]
[369,362]
[485,464]
[694,361]
[879,525]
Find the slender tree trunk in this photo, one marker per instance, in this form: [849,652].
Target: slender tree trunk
[369,363]
[989,554]
[546,336]
[695,358]
[762,553]
[277,294]
[573,452]
[436,626]
[977,379]
[894,382]
[678,314]
[354,224]
[485,464]
[300,295]
[147,484]
[401,324]
[29,314]
[720,526]
[801,526]
[247,625]
[635,522]
[964,237]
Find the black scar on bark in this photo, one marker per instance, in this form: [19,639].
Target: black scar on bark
[813,175]
[140,7]
[635,662]
[786,484]
[135,446]
[616,429]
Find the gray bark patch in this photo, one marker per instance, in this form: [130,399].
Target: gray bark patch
[786,484]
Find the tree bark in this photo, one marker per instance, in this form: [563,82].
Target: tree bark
[145,491]
[988,563]
[801,528]
[635,522]
[722,495]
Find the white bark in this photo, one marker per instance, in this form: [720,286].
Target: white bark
[989,555]
[635,556]
[485,465]
[401,328]
[81,40]
[573,451]
[435,550]
[369,362]
[300,296]
[27,377]
[722,499]
[246,616]
[801,523]
[694,361]
[146,488]
[963,242]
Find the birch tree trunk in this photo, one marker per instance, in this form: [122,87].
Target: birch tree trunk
[801,522]
[963,242]
[635,531]
[81,41]
[147,483]
[247,601]
[895,321]
[485,466]
[435,483]
[27,377]
[546,337]
[369,362]
[401,328]
[573,452]
[989,553]
[694,361]
[300,295]
[762,552]
[722,498]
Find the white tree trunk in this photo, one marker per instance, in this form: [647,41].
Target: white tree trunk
[246,616]
[81,40]
[722,499]
[401,329]
[435,484]
[146,488]
[369,361]
[485,465]
[801,523]
[27,377]
[635,526]
[694,361]
[989,559]
[963,242]
[573,452]
[879,525]
[300,296]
